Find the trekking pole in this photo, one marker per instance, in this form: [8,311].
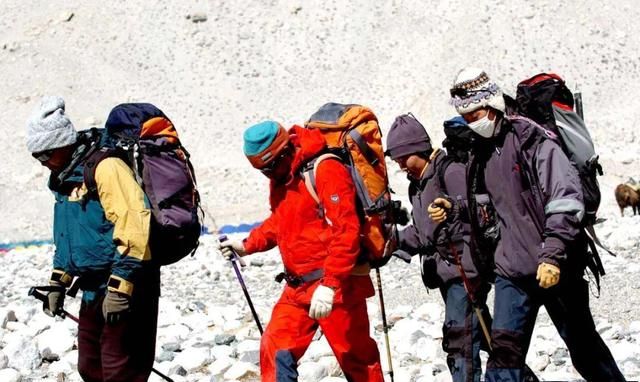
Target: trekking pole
[384,323]
[233,260]
[36,292]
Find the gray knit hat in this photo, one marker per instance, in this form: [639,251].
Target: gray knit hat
[407,136]
[49,127]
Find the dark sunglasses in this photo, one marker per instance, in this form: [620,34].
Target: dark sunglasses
[43,156]
[270,168]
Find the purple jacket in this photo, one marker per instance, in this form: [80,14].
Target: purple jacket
[537,195]
[418,238]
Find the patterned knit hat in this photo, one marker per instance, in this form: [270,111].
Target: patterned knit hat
[49,127]
[473,89]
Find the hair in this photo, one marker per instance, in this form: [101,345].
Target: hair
[426,155]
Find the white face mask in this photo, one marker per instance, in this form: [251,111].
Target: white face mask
[484,127]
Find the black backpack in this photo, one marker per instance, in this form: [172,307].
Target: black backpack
[545,99]
[458,142]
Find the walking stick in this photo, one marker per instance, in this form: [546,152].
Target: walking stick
[36,292]
[234,261]
[384,323]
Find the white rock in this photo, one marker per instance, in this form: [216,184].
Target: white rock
[406,373]
[72,358]
[10,375]
[221,351]
[61,366]
[14,326]
[23,353]
[312,372]
[316,350]
[241,370]
[429,312]
[538,362]
[634,327]
[4,360]
[193,358]
[220,365]
[232,325]
[57,339]
[625,351]
[331,363]
[248,345]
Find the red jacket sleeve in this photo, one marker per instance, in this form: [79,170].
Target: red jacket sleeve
[338,197]
[263,237]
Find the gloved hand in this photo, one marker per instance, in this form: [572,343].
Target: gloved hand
[55,300]
[548,275]
[321,302]
[438,210]
[228,246]
[115,306]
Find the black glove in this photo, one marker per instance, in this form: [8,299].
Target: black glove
[55,300]
[115,307]
[400,214]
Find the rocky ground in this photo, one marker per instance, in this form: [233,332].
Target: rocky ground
[206,332]
[216,66]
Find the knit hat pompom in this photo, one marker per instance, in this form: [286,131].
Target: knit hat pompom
[49,127]
[473,89]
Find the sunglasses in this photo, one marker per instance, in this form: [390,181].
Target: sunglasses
[43,156]
[271,166]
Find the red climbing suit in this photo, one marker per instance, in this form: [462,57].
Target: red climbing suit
[309,243]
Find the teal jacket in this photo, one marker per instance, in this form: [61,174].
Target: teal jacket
[103,239]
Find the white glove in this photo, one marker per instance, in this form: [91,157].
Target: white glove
[321,302]
[229,246]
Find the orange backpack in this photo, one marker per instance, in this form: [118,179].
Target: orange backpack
[352,131]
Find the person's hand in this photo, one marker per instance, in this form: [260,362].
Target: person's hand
[227,248]
[114,307]
[321,302]
[55,300]
[548,275]
[438,210]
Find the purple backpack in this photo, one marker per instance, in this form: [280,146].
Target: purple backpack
[142,136]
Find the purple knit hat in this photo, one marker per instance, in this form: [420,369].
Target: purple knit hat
[407,136]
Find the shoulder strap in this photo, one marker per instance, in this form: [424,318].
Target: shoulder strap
[90,165]
[363,147]
[309,175]
[442,171]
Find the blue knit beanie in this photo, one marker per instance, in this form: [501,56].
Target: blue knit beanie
[257,138]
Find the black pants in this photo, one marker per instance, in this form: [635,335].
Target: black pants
[123,352]
[516,307]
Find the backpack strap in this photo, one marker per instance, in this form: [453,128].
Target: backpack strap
[90,165]
[309,176]
[441,172]
[364,148]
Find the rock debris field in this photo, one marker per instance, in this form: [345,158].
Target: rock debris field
[217,66]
